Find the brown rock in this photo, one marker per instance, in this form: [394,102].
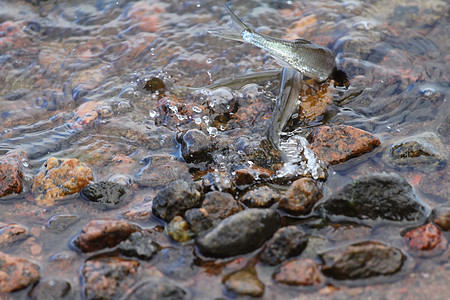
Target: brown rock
[11,173]
[251,175]
[108,278]
[9,233]
[162,170]
[99,234]
[16,273]
[339,143]
[262,196]
[426,240]
[59,178]
[301,196]
[299,272]
[441,217]
[220,206]
[244,282]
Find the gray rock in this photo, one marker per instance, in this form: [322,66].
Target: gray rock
[161,170]
[104,192]
[156,290]
[140,245]
[196,146]
[198,220]
[50,289]
[261,197]
[240,233]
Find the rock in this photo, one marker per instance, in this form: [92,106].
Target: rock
[260,197]
[11,173]
[10,233]
[348,232]
[16,273]
[220,206]
[50,289]
[59,178]
[108,278]
[155,84]
[287,242]
[221,101]
[426,240]
[374,199]
[244,282]
[60,223]
[217,181]
[301,196]
[104,192]
[441,217]
[240,233]
[251,175]
[99,234]
[156,290]
[178,229]
[176,199]
[161,171]
[196,146]
[340,143]
[302,271]
[362,260]
[198,220]
[178,263]
[140,245]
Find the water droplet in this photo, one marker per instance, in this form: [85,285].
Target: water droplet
[209,60]
[212,131]
[198,121]
[197,109]
[153,113]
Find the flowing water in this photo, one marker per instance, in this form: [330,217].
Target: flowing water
[77,79]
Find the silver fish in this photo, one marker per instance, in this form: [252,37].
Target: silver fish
[314,61]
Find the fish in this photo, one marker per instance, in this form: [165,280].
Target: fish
[312,60]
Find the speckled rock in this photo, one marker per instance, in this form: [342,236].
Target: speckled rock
[178,230]
[176,199]
[16,273]
[260,197]
[99,234]
[160,170]
[302,271]
[362,260]
[240,233]
[251,175]
[244,282]
[178,263]
[287,242]
[217,181]
[104,192]
[11,173]
[139,244]
[156,290]
[426,240]
[108,278]
[59,178]
[10,233]
[60,223]
[220,205]
[301,196]
[198,220]
[340,143]
[441,217]
[196,146]
[50,289]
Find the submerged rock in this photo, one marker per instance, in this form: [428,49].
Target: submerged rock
[104,192]
[375,198]
[10,233]
[217,181]
[176,199]
[16,273]
[302,271]
[251,175]
[220,206]
[156,290]
[196,146]
[240,233]
[301,196]
[362,260]
[60,223]
[441,217]
[140,245]
[244,282]
[198,220]
[260,197]
[178,230]
[11,173]
[161,170]
[426,240]
[50,289]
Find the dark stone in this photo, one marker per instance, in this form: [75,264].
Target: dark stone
[177,263]
[441,217]
[50,289]
[196,146]
[287,242]
[176,199]
[155,84]
[376,198]
[217,182]
[240,233]
[260,197]
[104,192]
[301,196]
[156,290]
[60,223]
[140,245]
[362,260]
[198,220]
[220,206]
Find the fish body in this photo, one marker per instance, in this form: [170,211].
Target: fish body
[312,60]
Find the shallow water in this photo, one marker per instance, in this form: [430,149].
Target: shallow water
[73,73]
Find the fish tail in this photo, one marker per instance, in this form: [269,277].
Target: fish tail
[235,35]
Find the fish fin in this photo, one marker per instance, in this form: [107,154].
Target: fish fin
[302,41]
[229,35]
[238,21]
[236,30]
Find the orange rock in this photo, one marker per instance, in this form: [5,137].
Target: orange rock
[251,174]
[16,273]
[301,196]
[9,233]
[299,272]
[314,102]
[11,173]
[426,240]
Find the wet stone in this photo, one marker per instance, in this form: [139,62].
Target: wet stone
[156,290]
[303,271]
[301,196]
[10,233]
[441,217]
[196,146]
[198,220]
[104,192]
[287,242]
[99,234]
[376,198]
[217,182]
[177,263]
[176,199]
[221,101]
[244,282]
[50,289]
[139,244]
[362,260]
[251,175]
[340,143]
[155,84]
[241,233]
[220,206]
[108,278]
[178,230]
[59,178]
[260,197]
[11,173]
[60,223]
[16,273]
[426,240]
[160,170]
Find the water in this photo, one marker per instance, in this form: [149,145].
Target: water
[72,85]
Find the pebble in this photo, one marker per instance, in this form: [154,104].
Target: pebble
[196,146]
[244,282]
[302,271]
[10,233]
[156,290]
[60,223]
[220,205]
[301,196]
[426,240]
[103,192]
[50,289]
[251,175]
[178,230]
[441,217]
[139,244]
[198,220]
[217,181]
[16,273]
[11,173]
[260,197]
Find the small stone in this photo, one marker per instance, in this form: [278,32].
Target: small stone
[261,197]
[178,230]
[104,192]
[140,245]
[11,173]
[426,240]
[178,263]
[301,196]
[217,181]
[155,84]
[303,271]
[16,273]
[196,146]
[340,143]
[50,289]
[287,242]
[99,234]
[221,101]
[251,175]
[244,282]
[198,220]
[441,217]
[10,233]
[241,233]
[362,260]
[60,223]
[348,232]
[220,206]
[156,290]
[176,199]
[161,171]
[59,178]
